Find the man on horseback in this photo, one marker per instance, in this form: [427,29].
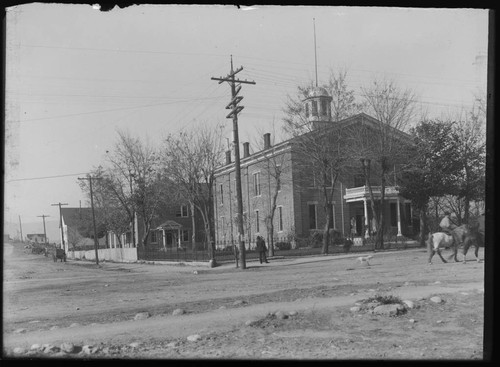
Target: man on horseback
[448,227]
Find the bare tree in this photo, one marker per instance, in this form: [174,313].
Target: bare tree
[107,199]
[276,166]
[190,159]
[323,149]
[136,180]
[393,109]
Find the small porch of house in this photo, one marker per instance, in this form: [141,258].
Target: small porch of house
[171,232]
[397,212]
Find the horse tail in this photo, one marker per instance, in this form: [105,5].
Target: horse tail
[429,241]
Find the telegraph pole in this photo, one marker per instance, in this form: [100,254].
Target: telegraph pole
[21,229]
[44,231]
[96,245]
[235,109]
[60,224]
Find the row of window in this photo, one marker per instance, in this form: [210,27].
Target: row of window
[325,108]
[278,215]
[256,186]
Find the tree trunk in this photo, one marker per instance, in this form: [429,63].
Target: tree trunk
[270,243]
[326,234]
[193,226]
[380,228]
[422,218]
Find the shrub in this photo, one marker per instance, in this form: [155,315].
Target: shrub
[347,245]
[283,245]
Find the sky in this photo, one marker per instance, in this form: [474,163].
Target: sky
[76,75]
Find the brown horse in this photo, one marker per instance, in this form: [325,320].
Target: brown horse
[467,235]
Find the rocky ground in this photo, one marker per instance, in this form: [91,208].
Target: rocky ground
[328,307]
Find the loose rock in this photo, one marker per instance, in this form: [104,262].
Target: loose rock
[134,345]
[355,309]
[412,321]
[142,316]
[409,303]
[54,327]
[19,350]
[389,310]
[281,315]
[49,348]
[194,338]
[238,302]
[19,331]
[250,322]
[67,347]
[436,299]
[178,311]
[75,324]
[36,347]
[292,313]
[89,349]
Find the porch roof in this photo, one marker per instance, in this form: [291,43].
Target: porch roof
[170,224]
[362,192]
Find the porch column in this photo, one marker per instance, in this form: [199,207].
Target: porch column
[399,218]
[367,226]
[178,237]
[164,240]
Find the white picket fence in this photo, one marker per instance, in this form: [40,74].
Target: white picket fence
[108,254]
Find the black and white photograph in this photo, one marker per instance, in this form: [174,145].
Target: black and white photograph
[246,183]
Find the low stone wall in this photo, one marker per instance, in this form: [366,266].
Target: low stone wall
[108,254]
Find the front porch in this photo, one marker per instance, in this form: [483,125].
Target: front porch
[362,223]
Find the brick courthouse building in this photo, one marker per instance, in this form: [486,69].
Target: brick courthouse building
[298,206]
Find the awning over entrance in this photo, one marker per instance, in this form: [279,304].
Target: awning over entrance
[362,193]
[170,225]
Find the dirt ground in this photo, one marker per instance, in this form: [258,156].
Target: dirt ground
[287,309]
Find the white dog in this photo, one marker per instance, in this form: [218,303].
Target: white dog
[364,260]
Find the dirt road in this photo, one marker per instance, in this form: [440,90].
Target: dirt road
[232,311]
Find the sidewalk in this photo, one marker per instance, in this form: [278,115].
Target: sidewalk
[191,266]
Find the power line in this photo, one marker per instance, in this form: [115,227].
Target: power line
[46,177]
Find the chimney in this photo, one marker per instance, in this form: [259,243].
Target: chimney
[267,140]
[228,156]
[246,149]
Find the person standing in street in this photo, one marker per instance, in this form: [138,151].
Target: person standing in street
[261,247]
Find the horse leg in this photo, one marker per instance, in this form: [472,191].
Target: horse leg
[476,252]
[439,253]
[431,254]
[466,248]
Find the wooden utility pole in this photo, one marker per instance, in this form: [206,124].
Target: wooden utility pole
[96,243]
[235,109]
[44,230]
[21,229]
[60,224]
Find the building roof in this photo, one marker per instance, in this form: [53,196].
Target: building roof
[317,92]
[361,118]
[170,224]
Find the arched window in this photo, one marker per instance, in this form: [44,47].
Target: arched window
[315,108]
[324,107]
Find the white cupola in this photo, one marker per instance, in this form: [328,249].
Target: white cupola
[317,106]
